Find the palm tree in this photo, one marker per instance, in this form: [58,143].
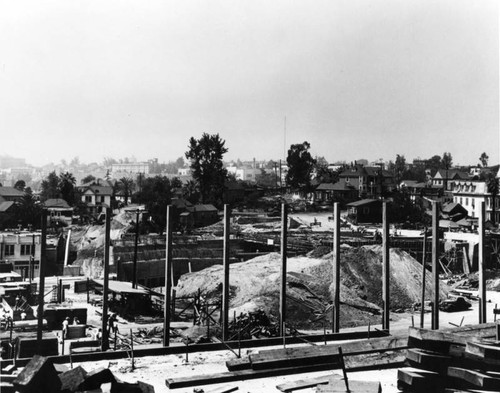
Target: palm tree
[127,186]
[67,187]
[493,187]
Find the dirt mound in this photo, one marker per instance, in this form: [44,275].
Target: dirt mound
[255,285]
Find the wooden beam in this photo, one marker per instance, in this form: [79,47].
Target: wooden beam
[168,280]
[435,269]
[225,284]
[336,267]
[305,383]
[282,309]
[386,273]
[477,378]
[481,264]
[422,300]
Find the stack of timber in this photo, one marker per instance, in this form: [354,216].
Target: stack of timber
[41,375]
[357,355]
[456,360]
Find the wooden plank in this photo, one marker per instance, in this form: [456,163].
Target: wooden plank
[419,379]
[338,386]
[428,360]
[474,377]
[304,383]
[231,376]
[325,353]
[456,335]
[238,364]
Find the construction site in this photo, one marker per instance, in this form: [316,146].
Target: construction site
[256,302]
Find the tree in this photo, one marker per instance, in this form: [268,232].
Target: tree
[50,187]
[28,212]
[446,161]
[66,187]
[207,166]
[266,179]
[88,179]
[191,191]
[399,168]
[484,159]
[20,185]
[493,186]
[434,163]
[300,167]
[126,185]
[156,195]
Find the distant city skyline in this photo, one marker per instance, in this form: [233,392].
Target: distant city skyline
[355,78]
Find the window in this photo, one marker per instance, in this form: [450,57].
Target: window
[88,198]
[26,249]
[466,201]
[9,250]
[461,200]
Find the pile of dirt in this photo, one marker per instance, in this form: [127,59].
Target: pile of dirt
[255,285]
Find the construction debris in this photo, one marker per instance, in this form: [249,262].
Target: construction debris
[41,375]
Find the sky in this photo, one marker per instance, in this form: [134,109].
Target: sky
[355,78]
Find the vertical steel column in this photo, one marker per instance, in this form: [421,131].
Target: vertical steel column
[225,284]
[336,268]
[105,287]
[284,223]
[168,279]
[41,286]
[435,262]
[386,273]
[481,264]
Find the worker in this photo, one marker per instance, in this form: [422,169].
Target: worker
[112,323]
[76,321]
[65,327]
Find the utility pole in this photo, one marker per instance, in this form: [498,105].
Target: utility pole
[134,273]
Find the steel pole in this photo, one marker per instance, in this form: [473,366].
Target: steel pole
[225,285]
[105,289]
[336,268]
[168,280]
[386,298]
[284,222]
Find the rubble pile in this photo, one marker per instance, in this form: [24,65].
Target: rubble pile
[41,375]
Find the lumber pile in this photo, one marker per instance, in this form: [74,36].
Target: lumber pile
[455,360]
[41,375]
[357,355]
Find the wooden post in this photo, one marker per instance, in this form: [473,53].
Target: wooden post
[284,223]
[336,268]
[225,283]
[386,298]
[107,236]
[134,270]
[481,264]
[422,302]
[435,264]
[41,289]
[168,279]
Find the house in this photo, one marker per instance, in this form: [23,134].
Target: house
[10,194]
[199,216]
[96,198]
[444,177]
[22,250]
[453,212]
[365,211]
[369,181]
[340,191]
[59,211]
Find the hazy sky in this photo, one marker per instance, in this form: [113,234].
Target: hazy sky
[356,78]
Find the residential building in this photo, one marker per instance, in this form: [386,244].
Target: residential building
[10,194]
[369,181]
[96,198]
[469,193]
[341,191]
[444,177]
[59,211]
